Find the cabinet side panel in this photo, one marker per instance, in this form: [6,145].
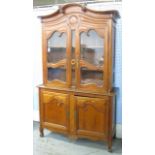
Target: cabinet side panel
[111,54]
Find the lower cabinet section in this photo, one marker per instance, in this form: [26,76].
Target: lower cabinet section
[77,116]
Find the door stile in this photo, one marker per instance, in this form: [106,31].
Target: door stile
[44,58]
[68,53]
[72,105]
[106,51]
[77,57]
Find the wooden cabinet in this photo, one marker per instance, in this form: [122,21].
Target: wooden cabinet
[77,95]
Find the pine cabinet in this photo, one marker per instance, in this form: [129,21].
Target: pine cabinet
[77,97]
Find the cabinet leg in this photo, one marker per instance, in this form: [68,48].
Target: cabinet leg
[110,145]
[114,136]
[41,132]
[73,138]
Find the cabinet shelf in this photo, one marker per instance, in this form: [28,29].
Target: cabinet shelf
[92,47]
[57,64]
[84,68]
[90,66]
[99,83]
[96,70]
[83,63]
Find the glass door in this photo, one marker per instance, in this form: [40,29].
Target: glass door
[91,60]
[56,59]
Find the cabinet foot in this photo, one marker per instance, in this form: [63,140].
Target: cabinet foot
[72,138]
[110,145]
[114,136]
[110,150]
[41,132]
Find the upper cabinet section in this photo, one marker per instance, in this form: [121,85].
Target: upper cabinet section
[77,48]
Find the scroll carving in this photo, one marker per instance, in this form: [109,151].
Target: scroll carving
[58,64]
[90,66]
[56,100]
[86,104]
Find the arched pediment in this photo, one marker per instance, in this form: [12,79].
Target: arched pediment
[78,8]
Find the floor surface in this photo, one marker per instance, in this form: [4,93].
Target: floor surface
[57,144]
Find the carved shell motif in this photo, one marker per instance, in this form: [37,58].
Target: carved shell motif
[89,103]
[73,21]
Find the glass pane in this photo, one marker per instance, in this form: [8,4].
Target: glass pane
[92,49]
[56,73]
[56,57]
[92,58]
[73,45]
[56,47]
[93,77]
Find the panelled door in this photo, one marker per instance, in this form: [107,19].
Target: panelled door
[55,112]
[91,116]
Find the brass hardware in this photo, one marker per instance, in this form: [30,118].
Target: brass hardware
[73,61]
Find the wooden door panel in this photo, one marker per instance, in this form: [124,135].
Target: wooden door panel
[91,115]
[56,109]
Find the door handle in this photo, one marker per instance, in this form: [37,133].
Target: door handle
[73,61]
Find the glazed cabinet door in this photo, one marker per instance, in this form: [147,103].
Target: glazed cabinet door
[55,111]
[91,117]
[92,59]
[55,57]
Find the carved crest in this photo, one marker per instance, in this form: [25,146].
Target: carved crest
[73,21]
